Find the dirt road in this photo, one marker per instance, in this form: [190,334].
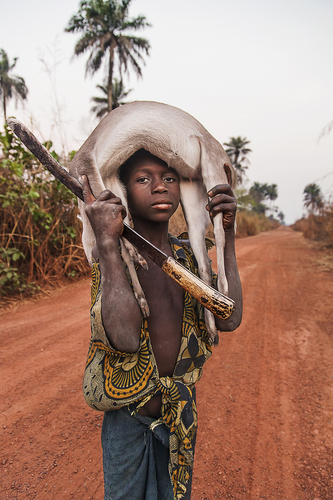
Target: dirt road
[265,400]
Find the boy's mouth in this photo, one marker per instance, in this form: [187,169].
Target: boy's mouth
[162,204]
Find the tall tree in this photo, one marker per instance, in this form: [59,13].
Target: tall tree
[104,25]
[118,94]
[237,151]
[271,194]
[313,198]
[259,192]
[281,217]
[10,85]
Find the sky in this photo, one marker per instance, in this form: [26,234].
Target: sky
[260,69]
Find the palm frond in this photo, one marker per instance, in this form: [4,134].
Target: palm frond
[94,63]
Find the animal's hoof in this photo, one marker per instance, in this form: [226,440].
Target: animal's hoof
[211,328]
[142,262]
[135,255]
[143,306]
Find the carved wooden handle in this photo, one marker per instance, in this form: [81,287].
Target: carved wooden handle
[220,305]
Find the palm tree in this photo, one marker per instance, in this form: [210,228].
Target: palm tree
[313,198]
[271,194]
[257,191]
[118,94]
[10,85]
[236,149]
[104,24]
[281,217]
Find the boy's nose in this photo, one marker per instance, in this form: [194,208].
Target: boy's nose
[159,186]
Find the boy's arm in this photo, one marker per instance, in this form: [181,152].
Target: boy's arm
[223,201]
[120,311]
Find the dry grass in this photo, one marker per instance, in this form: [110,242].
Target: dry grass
[318,228]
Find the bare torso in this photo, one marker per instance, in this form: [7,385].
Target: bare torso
[166,303]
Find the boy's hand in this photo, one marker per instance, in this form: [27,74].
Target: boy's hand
[105,213]
[223,201]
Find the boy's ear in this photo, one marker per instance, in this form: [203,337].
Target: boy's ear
[227,170]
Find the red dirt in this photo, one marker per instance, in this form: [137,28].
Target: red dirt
[265,400]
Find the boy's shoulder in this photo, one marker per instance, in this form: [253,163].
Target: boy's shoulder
[181,248]
[184,240]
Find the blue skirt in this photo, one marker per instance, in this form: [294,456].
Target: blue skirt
[135,457]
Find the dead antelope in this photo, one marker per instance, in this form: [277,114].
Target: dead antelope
[185,145]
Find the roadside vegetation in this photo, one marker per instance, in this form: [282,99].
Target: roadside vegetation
[318,225]
[40,239]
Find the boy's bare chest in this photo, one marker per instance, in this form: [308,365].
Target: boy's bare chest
[166,303]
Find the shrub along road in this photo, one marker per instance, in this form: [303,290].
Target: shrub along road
[265,400]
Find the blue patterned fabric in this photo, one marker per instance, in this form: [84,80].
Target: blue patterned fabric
[135,457]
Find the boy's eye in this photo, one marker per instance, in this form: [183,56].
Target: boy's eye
[142,180]
[170,178]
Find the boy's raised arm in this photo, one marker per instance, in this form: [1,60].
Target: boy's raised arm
[223,200]
[120,311]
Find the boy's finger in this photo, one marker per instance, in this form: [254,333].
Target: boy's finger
[225,208]
[87,194]
[105,195]
[220,188]
[220,199]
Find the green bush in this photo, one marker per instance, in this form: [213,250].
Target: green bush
[40,240]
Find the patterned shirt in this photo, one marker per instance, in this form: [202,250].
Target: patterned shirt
[114,379]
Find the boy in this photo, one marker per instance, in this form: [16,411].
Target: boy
[145,369]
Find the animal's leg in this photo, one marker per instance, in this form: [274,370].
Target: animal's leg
[89,169]
[88,237]
[116,187]
[219,235]
[194,200]
[213,175]
[138,292]
[129,252]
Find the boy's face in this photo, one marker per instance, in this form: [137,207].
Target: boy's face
[152,190]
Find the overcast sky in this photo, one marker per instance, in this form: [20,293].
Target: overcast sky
[255,68]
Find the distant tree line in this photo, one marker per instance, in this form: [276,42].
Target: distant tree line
[254,198]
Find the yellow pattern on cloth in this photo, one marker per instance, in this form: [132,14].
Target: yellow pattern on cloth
[114,379]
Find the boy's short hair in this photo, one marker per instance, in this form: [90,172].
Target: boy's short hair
[125,168]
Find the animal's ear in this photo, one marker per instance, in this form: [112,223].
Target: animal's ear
[228,172]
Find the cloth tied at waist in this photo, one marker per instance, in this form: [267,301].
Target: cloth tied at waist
[179,413]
